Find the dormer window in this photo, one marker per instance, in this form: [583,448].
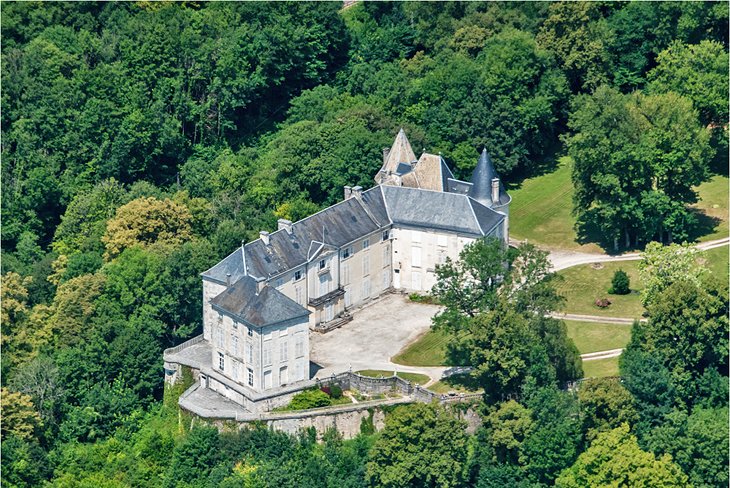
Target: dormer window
[297,275]
[346,252]
[386,235]
[322,264]
[366,243]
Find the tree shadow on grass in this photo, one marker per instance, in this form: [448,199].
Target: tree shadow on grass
[461,381]
[705,225]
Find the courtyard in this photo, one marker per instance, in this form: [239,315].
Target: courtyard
[377,332]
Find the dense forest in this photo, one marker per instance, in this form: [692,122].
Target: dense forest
[143,141]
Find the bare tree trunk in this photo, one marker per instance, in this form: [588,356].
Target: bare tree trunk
[615,243]
[628,238]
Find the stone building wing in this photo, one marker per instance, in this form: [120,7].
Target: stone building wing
[258,308]
[450,212]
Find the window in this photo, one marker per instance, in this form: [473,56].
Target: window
[236,370]
[365,264]
[250,331]
[299,348]
[284,351]
[442,240]
[417,281]
[249,353]
[347,252]
[235,324]
[386,278]
[346,273]
[234,341]
[267,355]
[283,376]
[416,236]
[416,257]
[219,338]
[267,380]
[250,376]
[441,257]
[221,361]
[220,319]
[348,296]
[386,235]
[365,288]
[299,295]
[324,285]
[322,264]
[297,275]
[366,243]
[386,255]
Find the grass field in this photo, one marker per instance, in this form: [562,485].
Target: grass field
[717,261]
[420,379]
[427,350]
[714,205]
[594,337]
[541,210]
[457,383]
[583,285]
[600,368]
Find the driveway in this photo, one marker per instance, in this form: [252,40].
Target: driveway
[376,333]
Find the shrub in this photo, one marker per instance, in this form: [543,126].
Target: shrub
[603,302]
[326,389]
[335,392]
[620,283]
[309,399]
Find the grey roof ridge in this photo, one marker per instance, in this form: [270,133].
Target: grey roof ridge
[474,214]
[368,212]
[472,202]
[385,204]
[443,161]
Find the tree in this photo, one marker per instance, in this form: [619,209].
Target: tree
[620,283]
[575,33]
[421,445]
[147,221]
[14,303]
[606,404]
[636,160]
[660,266]
[194,458]
[508,426]
[615,459]
[495,305]
[697,71]
[19,416]
[697,442]
[39,380]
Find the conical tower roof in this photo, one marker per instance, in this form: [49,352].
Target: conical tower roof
[400,152]
[481,179]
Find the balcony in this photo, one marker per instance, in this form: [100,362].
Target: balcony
[315,302]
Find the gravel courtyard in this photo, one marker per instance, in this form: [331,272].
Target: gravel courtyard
[376,333]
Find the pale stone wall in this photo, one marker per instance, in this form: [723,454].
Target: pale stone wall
[433,247]
[276,354]
[367,272]
[210,291]
[346,423]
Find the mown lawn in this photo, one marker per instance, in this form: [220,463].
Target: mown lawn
[459,383]
[583,284]
[594,337]
[713,205]
[427,350]
[717,261]
[541,210]
[600,368]
[420,379]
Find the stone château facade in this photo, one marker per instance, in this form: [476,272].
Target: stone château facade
[261,302]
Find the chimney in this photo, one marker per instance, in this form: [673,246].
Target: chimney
[285,224]
[264,237]
[386,153]
[348,191]
[228,279]
[495,191]
[357,191]
[260,284]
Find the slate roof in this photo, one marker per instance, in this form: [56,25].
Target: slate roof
[400,152]
[481,180]
[337,225]
[451,212]
[267,307]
